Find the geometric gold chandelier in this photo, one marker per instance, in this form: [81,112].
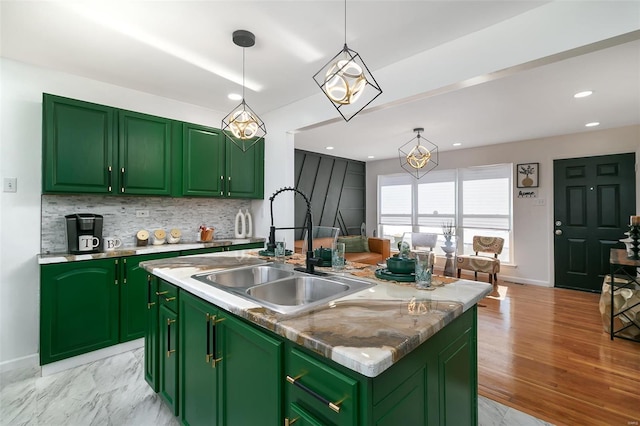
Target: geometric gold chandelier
[347,81]
[418,156]
[242,126]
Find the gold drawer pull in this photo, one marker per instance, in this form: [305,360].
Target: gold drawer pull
[169,299]
[160,293]
[295,381]
[288,422]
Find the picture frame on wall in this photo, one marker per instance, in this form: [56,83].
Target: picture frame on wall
[527,175]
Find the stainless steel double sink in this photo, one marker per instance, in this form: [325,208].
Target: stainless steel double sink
[280,289]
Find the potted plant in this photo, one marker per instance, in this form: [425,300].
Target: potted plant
[447,231]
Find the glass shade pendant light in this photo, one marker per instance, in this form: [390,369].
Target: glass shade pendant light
[418,156]
[243,126]
[347,81]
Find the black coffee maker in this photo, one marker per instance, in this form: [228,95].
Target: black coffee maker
[84,233]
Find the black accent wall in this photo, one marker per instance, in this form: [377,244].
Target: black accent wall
[336,188]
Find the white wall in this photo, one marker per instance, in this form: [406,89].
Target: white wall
[21,88]
[532,225]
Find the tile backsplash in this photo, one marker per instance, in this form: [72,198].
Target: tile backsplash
[120,220]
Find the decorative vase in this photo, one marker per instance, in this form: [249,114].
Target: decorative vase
[249,224]
[241,225]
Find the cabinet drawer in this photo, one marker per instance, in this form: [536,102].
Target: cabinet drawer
[321,391]
[168,295]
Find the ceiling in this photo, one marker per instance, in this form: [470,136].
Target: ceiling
[183,50]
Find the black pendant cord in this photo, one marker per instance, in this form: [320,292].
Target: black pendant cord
[243,74]
[345,22]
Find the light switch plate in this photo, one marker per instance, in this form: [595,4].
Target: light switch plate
[10,184]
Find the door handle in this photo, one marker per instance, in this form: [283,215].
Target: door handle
[558,231]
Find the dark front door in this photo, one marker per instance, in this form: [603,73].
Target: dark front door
[593,199]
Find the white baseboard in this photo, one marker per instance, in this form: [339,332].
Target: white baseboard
[519,280]
[65,364]
[16,370]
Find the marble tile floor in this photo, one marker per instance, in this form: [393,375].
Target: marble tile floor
[112,391]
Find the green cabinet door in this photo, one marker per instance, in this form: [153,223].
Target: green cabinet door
[168,356]
[133,296]
[250,374]
[202,161]
[78,148]
[152,335]
[245,171]
[457,375]
[198,377]
[78,308]
[144,154]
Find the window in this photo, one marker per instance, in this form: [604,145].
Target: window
[476,200]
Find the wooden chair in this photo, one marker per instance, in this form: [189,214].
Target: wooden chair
[483,263]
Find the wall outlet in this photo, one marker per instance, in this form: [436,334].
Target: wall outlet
[142,213]
[10,184]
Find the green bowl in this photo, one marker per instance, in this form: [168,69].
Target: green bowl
[399,265]
[323,253]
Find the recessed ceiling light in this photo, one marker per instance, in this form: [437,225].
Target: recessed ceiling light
[583,94]
[371,156]
[457,144]
[329,147]
[592,124]
[234,96]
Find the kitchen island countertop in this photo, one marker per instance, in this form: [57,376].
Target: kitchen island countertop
[367,331]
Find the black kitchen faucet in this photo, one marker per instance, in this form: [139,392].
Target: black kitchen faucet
[311,261]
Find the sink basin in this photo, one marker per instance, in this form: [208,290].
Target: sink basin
[244,277]
[282,290]
[297,290]
[303,291]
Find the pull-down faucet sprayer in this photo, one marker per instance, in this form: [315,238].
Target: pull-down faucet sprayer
[311,261]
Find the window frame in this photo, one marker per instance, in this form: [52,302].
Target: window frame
[500,171]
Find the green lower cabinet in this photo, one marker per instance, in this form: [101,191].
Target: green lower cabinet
[92,304]
[168,357]
[133,296]
[78,308]
[223,364]
[152,335]
[198,375]
[250,369]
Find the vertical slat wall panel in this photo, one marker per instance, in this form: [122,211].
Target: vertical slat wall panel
[334,185]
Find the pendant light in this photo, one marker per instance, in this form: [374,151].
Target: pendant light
[242,126]
[418,156]
[347,81]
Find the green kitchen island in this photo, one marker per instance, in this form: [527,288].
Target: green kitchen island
[390,354]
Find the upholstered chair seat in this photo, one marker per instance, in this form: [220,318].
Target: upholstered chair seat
[485,260]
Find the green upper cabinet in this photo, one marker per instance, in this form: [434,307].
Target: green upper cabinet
[90,148]
[212,166]
[202,161]
[78,148]
[245,171]
[96,149]
[144,154]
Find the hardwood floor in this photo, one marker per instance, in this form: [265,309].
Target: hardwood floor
[543,351]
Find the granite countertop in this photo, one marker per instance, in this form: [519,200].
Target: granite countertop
[367,331]
[47,258]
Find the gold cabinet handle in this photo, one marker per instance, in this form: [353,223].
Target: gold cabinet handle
[295,381]
[288,422]
[169,299]
[160,293]
[122,180]
[215,361]
[109,170]
[229,188]
[169,350]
